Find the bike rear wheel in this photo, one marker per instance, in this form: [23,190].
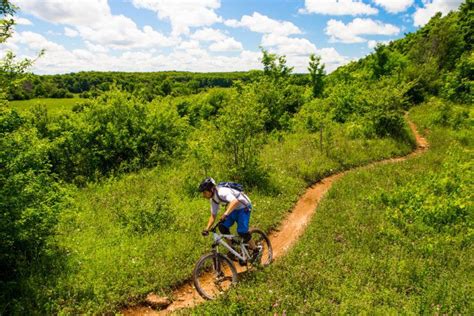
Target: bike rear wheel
[213,275]
[261,239]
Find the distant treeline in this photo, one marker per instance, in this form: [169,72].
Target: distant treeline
[146,84]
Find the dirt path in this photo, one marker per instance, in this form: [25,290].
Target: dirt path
[285,236]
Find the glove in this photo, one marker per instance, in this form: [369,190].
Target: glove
[205,232]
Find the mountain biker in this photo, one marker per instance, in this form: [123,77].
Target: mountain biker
[238,209]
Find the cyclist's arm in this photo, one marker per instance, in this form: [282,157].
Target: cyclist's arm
[231,207]
[211,221]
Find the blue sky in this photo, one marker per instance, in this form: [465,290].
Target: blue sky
[208,35]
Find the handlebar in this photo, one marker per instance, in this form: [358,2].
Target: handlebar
[213,228]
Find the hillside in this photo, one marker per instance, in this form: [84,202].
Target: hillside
[99,202]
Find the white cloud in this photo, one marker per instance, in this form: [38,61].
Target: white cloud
[84,12]
[114,42]
[23,21]
[338,7]
[183,14]
[430,8]
[190,57]
[120,32]
[96,48]
[349,33]
[36,42]
[220,41]
[331,56]
[94,22]
[193,44]
[263,24]
[395,6]
[227,45]
[208,35]
[287,45]
[70,32]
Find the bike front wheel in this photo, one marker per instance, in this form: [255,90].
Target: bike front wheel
[213,275]
[261,240]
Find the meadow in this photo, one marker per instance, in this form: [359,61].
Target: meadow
[100,203]
[53,106]
[392,238]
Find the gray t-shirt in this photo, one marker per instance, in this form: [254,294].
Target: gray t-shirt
[224,196]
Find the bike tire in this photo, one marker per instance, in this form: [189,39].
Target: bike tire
[207,273]
[260,238]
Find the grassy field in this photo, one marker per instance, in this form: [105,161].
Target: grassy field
[54,106]
[389,239]
[141,233]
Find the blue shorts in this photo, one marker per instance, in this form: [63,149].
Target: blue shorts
[242,216]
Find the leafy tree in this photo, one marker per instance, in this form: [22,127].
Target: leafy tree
[381,58]
[317,74]
[166,87]
[275,66]
[7,10]
[240,128]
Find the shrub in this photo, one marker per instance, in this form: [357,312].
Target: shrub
[30,195]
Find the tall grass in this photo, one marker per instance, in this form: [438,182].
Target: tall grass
[53,106]
[128,236]
[371,248]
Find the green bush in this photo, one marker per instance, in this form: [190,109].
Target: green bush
[438,204]
[31,197]
[114,134]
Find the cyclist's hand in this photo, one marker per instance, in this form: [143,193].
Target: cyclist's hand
[223,217]
[205,232]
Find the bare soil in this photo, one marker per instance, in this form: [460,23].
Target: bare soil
[283,238]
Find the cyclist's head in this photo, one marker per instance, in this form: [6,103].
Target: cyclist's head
[206,186]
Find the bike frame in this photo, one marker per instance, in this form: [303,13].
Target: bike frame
[218,240]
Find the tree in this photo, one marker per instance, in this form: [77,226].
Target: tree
[10,70]
[381,58]
[7,10]
[317,74]
[275,66]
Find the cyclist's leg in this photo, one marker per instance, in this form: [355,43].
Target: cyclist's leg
[243,219]
[224,227]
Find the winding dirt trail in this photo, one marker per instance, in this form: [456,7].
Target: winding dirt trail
[283,238]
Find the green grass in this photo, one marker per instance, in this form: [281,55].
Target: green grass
[370,248]
[54,106]
[128,236]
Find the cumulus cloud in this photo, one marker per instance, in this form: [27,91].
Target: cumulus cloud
[94,22]
[183,14]
[349,33]
[423,15]
[260,23]
[284,45]
[395,6]
[70,32]
[84,12]
[208,35]
[96,48]
[227,45]
[23,21]
[338,7]
[36,42]
[277,38]
[114,42]
[189,57]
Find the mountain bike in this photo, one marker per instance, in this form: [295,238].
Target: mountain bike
[215,272]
